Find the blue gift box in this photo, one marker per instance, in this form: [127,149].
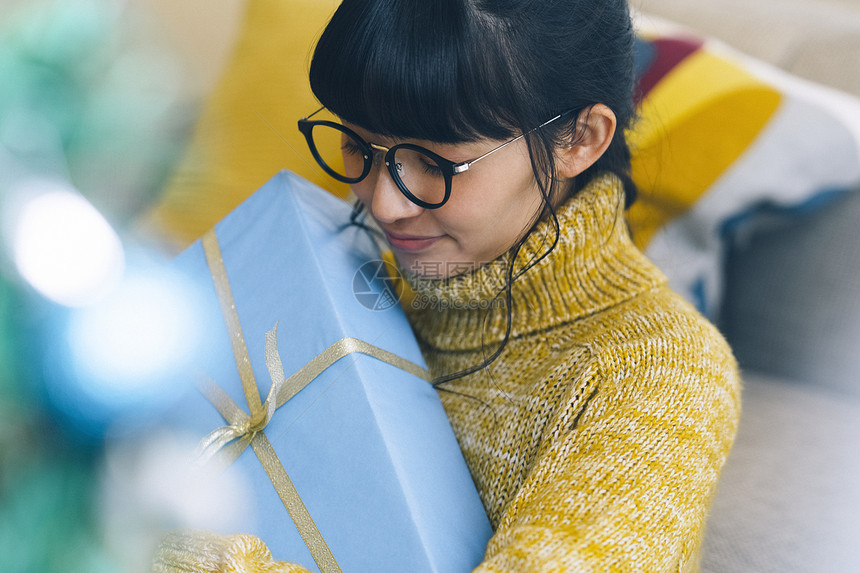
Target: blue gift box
[366,444]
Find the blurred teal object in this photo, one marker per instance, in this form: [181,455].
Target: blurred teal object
[112,365]
[47,520]
[88,95]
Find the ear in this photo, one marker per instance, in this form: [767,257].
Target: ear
[595,127]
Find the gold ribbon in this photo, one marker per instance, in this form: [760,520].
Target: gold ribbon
[228,442]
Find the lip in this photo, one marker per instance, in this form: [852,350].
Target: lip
[410,243]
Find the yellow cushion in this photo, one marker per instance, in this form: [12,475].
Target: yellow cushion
[247,130]
[693,126]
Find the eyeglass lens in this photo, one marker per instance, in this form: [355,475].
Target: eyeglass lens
[330,142]
[417,171]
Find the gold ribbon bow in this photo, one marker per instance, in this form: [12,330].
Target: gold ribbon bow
[230,441]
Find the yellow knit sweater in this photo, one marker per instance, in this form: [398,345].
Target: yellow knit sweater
[597,437]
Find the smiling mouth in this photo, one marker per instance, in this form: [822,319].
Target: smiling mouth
[411,243]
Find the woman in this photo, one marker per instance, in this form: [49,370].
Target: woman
[594,407]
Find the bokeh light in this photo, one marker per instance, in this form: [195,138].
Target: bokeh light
[61,244]
[141,333]
[150,485]
[129,355]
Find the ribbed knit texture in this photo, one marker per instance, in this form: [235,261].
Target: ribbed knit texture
[597,437]
[207,552]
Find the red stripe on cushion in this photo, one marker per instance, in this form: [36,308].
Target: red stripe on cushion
[670,52]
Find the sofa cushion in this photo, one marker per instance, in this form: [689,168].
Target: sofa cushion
[723,139]
[789,495]
[247,131]
[792,298]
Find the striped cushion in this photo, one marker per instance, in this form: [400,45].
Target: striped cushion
[723,140]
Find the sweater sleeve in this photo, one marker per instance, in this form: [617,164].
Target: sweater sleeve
[623,478]
[207,552]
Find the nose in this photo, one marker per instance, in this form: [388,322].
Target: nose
[388,203]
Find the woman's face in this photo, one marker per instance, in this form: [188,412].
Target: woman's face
[491,206]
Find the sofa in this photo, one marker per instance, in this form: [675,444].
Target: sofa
[789,497]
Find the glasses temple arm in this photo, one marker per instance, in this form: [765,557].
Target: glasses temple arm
[314,113]
[461,167]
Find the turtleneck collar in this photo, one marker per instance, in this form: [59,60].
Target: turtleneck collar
[594,266]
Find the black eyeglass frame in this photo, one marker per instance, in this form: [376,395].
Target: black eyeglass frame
[447,167]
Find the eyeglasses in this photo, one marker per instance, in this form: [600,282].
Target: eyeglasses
[422,176]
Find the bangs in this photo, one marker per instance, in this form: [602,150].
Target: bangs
[414,70]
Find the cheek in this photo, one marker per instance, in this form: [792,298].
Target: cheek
[466,203]
[502,201]
[487,217]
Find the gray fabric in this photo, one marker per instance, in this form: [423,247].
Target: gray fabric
[792,298]
[789,497]
[815,39]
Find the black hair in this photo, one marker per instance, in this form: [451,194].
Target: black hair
[452,71]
